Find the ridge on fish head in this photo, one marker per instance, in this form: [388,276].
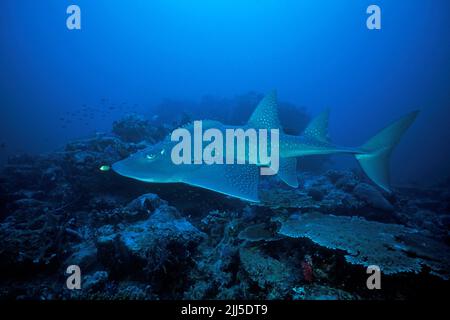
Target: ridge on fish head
[152,164]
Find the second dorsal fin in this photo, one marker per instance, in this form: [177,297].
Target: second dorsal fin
[318,127]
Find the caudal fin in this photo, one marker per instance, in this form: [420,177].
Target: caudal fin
[376,153]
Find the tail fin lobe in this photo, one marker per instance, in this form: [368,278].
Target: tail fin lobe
[375,157]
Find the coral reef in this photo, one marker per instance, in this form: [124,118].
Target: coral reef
[141,241]
[135,128]
[394,248]
[273,277]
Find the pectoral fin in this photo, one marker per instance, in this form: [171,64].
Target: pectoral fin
[237,180]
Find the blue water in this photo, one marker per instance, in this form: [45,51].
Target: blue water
[317,54]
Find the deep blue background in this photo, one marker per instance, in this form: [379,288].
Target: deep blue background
[316,53]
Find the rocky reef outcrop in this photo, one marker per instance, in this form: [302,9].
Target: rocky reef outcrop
[133,240]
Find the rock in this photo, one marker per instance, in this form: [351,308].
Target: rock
[445,221]
[273,277]
[83,158]
[372,197]
[347,182]
[29,244]
[28,203]
[94,281]
[318,292]
[429,204]
[151,246]
[130,291]
[316,194]
[134,128]
[280,198]
[142,207]
[259,232]
[85,256]
[103,202]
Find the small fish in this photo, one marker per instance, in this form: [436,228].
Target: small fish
[105,168]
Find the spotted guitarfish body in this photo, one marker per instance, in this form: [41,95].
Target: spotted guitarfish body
[155,164]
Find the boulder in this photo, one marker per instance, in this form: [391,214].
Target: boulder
[372,197]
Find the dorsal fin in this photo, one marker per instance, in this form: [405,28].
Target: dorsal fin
[265,115]
[318,127]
